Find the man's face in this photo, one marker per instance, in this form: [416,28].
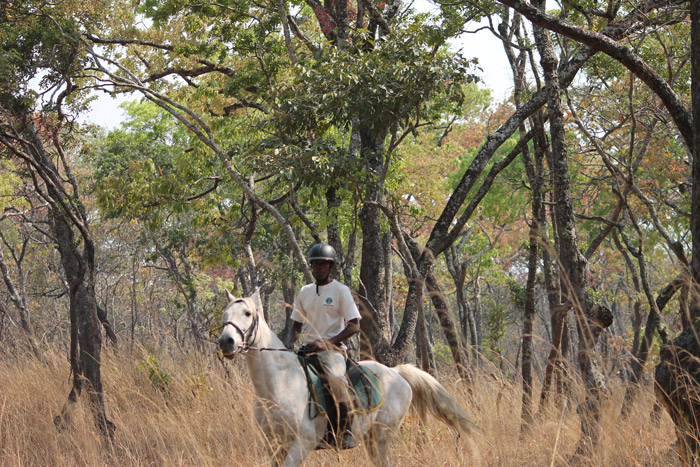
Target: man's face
[320,270]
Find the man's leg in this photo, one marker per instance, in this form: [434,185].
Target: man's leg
[333,363]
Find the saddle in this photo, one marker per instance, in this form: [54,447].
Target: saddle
[366,391]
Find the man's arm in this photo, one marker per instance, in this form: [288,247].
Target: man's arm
[352,327]
[293,334]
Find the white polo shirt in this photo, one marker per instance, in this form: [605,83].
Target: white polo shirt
[325,313]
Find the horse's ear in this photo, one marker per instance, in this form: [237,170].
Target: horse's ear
[229,296]
[257,300]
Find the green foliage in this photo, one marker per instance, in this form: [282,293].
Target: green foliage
[200,383]
[507,186]
[518,293]
[9,181]
[443,354]
[601,296]
[495,326]
[397,81]
[159,378]
[40,50]
[380,87]
[148,162]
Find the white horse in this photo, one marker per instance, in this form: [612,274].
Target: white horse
[282,404]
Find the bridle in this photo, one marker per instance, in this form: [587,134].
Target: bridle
[246,335]
[249,336]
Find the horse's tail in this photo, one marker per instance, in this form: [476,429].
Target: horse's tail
[430,396]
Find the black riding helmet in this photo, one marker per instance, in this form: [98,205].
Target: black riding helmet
[322,252]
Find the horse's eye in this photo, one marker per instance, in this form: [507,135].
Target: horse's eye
[248,313]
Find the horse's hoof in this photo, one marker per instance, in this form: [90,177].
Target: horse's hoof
[348,441]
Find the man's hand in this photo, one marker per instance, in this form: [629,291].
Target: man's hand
[293,334]
[320,345]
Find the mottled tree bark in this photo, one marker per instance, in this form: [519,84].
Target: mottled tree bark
[376,333]
[573,264]
[554,370]
[86,339]
[447,323]
[535,176]
[511,31]
[423,351]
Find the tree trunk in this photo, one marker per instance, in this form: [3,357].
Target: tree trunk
[376,332]
[639,359]
[558,313]
[476,324]
[19,300]
[517,65]
[288,293]
[573,264]
[678,390]
[332,204]
[77,254]
[678,375]
[458,274]
[535,175]
[389,282]
[86,338]
[441,309]
[423,344]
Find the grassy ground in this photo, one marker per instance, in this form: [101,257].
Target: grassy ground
[196,412]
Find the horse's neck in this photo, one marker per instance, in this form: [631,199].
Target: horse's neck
[269,368]
[265,338]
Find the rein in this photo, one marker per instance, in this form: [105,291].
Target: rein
[303,355]
[244,347]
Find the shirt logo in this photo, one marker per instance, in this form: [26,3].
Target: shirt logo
[329,301]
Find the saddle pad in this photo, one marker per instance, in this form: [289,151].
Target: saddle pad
[366,390]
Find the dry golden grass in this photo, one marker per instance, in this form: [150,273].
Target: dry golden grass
[205,418]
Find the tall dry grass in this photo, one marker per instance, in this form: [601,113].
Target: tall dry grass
[202,415]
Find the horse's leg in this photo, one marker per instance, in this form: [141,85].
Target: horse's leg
[297,453]
[378,440]
[278,457]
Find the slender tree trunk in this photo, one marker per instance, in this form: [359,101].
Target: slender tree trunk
[18,299]
[517,65]
[529,316]
[572,261]
[476,313]
[441,309]
[185,285]
[447,324]
[653,324]
[558,313]
[389,281]
[423,344]
[459,273]
[134,315]
[333,201]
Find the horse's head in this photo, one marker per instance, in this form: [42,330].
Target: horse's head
[241,320]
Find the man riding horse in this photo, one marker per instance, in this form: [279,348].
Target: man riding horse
[325,315]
